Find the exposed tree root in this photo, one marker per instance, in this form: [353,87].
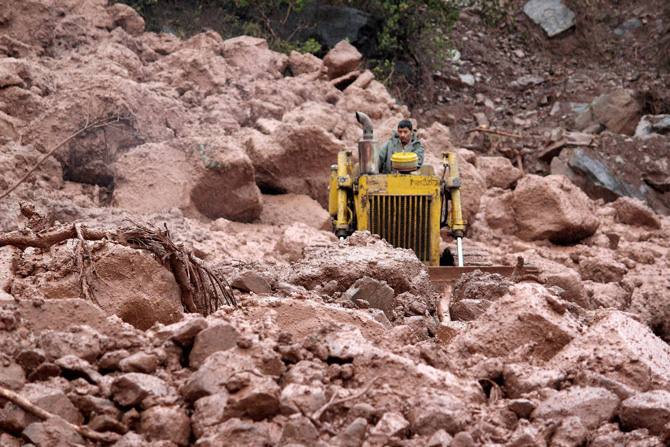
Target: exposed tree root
[33,409]
[318,413]
[202,290]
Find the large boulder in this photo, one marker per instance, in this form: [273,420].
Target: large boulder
[133,285]
[302,318]
[341,59]
[216,180]
[304,63]
[224,185]
[127,18]
[195,66]
[632,211]
[298,236]
[323,115]
[622,349]
[437,139]
[498,172]
[253,58]
[347,344]
[497,210]
[285,209]
[528,317]
[553,208]
[594,406]
[296,159]
[552,15]
[649,410]
[649,297]
[618,111]
[90,158]
[151,178]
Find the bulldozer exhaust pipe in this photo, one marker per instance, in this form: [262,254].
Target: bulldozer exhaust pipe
[368,147]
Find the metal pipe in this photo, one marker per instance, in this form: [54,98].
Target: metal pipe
[368,147]
[366,122]
[343,180]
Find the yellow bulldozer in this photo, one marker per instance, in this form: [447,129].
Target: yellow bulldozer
[407,208]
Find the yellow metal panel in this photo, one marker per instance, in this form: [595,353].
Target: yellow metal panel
[332,194]
[407,211]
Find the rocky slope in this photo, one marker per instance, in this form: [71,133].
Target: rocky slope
[229,145]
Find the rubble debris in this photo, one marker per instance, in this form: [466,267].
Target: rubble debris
[618,111]
[620,348]
[297,361]
[519,318]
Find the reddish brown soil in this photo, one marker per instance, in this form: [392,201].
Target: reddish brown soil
[332,342]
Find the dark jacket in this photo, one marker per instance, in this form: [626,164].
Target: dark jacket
[394,145]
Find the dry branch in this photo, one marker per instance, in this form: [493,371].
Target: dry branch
[496,132]
[318,413]
[33,409]
[201,289]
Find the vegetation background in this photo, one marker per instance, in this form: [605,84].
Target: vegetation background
[402,41]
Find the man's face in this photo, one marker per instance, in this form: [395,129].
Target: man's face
[404,134]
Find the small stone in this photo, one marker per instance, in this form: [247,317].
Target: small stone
[391,424]
[354,433]
[133,388]
[217,337]
[522,407]
[139,362]
[463,439]
[44,371]
[299,430]
[594,406]
[166,423]
[30,359]
[110,361]
[248,281]
[467,79]
[52,432]
[183,333]
[12,376]
[571,433]
[440,439]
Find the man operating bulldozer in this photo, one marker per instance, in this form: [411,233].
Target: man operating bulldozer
[403,140]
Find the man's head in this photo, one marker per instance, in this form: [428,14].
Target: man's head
[404,131]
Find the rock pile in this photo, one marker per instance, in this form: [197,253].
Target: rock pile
[333,342]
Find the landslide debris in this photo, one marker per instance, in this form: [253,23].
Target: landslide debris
[228,144]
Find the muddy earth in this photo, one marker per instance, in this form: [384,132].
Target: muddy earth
[168,276]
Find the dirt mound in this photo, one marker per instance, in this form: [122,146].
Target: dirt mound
[336,267]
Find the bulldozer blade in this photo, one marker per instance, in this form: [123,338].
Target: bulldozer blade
[444,279]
